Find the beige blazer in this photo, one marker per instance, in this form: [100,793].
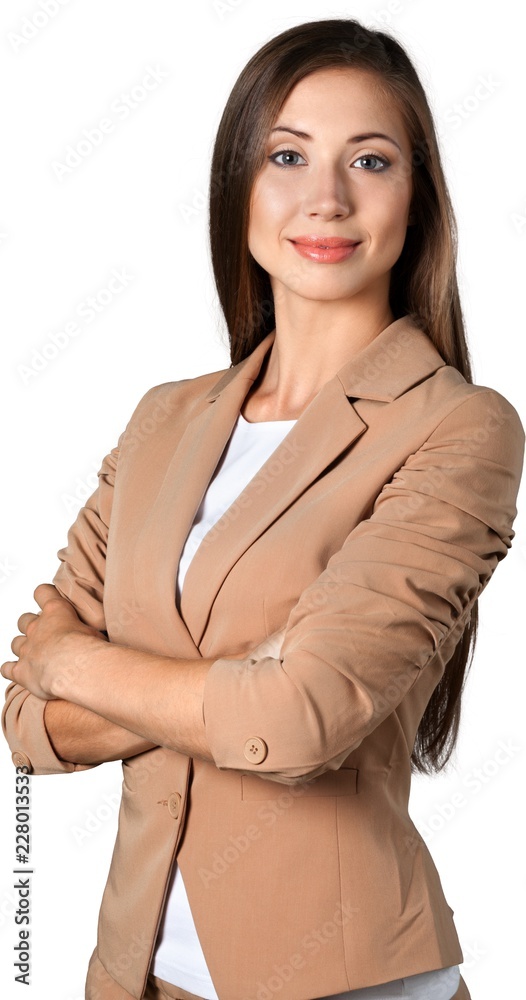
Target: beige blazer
[368,533]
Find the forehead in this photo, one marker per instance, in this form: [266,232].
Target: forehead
[350,95]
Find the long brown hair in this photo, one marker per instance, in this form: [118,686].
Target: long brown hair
[423,280]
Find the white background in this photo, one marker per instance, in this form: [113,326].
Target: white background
[138,201]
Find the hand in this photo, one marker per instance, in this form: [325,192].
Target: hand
[52,643]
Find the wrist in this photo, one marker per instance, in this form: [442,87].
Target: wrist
[78,653]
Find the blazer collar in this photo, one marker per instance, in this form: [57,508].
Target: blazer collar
[398,358]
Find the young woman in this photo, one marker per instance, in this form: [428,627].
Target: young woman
[267,608]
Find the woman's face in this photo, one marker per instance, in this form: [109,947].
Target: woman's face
[347,176]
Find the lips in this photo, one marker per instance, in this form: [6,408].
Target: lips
[322,253]
[324,242]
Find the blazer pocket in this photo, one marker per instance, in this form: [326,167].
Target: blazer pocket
[344,781]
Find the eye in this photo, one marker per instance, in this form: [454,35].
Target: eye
[372,163]
[284,152]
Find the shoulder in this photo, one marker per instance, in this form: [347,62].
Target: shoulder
[476,414]
[472,453]
[171,397]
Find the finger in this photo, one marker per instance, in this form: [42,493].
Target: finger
[17,644]
[7,670]
[26,620]
[46,592]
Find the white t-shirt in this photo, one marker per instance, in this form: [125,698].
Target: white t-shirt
[178,957]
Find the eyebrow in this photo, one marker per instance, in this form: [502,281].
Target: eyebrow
[354,138]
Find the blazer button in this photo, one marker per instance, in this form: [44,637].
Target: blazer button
[21,760]
[174,805]
[255,750]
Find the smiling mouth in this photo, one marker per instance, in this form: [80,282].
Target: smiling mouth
[331,250]
[329,243]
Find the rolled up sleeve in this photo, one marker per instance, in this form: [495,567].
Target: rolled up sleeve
[396,597]
[80,579]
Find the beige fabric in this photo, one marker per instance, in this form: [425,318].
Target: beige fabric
[101,986]
[368,535]
[159,989]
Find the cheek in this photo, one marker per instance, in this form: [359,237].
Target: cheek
[271,201]
[267,220]
[392,212]
[402,193]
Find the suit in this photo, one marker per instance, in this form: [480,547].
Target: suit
[369,533]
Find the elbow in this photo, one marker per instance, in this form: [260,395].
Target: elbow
[291,762]
[25,731]
[258,721]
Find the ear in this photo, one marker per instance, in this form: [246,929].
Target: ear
[412,219]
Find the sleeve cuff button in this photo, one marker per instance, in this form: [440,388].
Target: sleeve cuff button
[21,760]
[255,750]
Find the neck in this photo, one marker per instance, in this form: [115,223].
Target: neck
[314,339]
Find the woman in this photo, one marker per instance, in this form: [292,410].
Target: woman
[334,503]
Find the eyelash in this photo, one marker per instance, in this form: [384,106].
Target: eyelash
[374,156]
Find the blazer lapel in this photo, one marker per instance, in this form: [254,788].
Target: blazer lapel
[159,545]
[398,358]
[308,448]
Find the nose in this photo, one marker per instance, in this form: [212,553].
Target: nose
[327,195]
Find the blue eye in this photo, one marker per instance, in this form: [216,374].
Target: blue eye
[366,160]
[370,162]
[284,152]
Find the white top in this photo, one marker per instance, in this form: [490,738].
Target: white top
[248,448]
[178,957]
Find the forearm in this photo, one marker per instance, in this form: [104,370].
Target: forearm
[106,692]
[119,691]
[83,737]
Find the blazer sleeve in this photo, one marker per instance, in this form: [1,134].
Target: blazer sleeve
[393,600]
[80,578]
